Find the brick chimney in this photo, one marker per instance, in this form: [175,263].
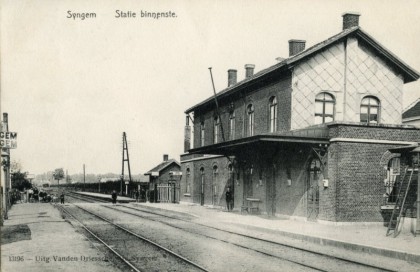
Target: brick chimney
[296,46]
[231,77]
[350,19]
[249,70]
[165,157]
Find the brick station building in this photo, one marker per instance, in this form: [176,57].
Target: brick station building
[309,137]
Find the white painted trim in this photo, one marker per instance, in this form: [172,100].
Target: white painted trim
[203,158]
[343,223]
[371,141]
[411,119]
[411,105]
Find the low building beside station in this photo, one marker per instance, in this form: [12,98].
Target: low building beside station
[312,137]
[164,181]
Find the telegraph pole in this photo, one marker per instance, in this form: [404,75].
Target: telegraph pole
[125,158]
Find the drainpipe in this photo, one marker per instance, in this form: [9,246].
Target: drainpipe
[345,81]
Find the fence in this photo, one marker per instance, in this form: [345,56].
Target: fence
[168,193]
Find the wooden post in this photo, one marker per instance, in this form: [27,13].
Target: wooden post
[418,196]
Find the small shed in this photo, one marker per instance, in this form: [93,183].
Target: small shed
[164,181]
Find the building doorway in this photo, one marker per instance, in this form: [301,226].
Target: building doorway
[214,185]
[313,189]
[248,190]
[202,186]
[231,183]
[271,192]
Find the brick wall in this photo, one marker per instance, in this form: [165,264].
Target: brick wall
[359,181]
[164,176]
[374,132]
[355,170]
[220,183]
[259,98]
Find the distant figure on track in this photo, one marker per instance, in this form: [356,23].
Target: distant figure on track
[229,199]
[137,195]
[62,198]
[114,197]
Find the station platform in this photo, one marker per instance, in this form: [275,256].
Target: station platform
[35,233]
[120,199]
[364,238]
[36,238]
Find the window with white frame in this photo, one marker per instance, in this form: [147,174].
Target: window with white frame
[369,110]
[324,108]
[187,181]
[250,114]
[273,114]
[215,178]
[202,132]
[232,125]
[216,131]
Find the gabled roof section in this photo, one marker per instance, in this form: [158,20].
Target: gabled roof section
[413,110]
[162,166]
[409,74]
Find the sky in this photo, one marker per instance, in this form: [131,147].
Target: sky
[72,87]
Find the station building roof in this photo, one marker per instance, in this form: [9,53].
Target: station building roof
[408,73]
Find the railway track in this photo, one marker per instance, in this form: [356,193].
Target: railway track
[124,244]
[282,251]
[86,198]
[273,249]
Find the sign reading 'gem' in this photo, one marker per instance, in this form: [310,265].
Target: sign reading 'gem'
[8,139]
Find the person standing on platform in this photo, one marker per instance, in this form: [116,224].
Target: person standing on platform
[137,195]
[114,197]
[62,198]
[229,199]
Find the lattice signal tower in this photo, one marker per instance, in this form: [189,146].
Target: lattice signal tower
[125,158]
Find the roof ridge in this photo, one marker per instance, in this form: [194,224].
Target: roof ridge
[411,105]
[408,72]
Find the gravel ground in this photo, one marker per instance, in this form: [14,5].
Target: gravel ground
[220,251]
[214,254]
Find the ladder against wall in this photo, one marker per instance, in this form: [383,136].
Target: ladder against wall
[397,212]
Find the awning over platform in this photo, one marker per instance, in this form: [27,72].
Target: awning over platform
[229,148]
[415,148]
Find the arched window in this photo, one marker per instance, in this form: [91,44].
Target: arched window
[215,177]
[369,110]
[202,130]
[232,125]
[216,130]
[273,114]
[250,113]
[202,181]
[324,108]
[187,181]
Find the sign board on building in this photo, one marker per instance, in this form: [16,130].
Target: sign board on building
[155,174]
[8,139]
[175,173]
[127,182]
